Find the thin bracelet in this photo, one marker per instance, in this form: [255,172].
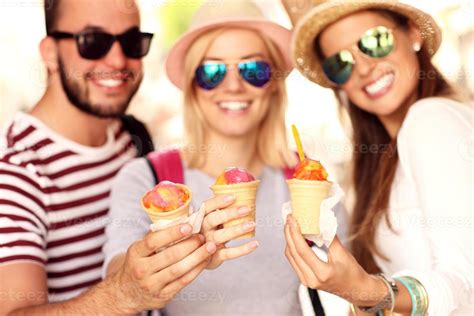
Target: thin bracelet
[379,313]
[424,296]
[392,293]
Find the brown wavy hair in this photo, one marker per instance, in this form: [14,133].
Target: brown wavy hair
[373,172]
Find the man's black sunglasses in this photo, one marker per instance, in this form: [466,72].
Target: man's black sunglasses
[96,44]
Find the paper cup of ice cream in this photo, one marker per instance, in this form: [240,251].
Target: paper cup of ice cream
[308,188]
[167,201]
[243,186]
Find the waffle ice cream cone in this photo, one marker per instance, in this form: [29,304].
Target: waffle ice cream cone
[306,197]
[245,195]
[156,214]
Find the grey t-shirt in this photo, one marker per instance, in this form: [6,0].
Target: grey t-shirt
[261,283]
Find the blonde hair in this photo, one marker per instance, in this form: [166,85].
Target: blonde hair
[272,144]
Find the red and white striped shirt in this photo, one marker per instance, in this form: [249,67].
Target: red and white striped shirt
[54,200]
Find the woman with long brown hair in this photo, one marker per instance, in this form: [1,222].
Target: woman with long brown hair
[411,223]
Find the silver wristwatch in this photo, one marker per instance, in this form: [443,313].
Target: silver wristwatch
[387,300]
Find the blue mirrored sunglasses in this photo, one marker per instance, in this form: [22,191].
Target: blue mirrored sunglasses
[211,74]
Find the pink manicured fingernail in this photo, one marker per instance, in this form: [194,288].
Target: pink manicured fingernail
[185,230]
[243,210]
[201,238]
[229,198]
[249,225]
[211,247]
[254,244]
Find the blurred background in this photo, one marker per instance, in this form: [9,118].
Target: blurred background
[158,103]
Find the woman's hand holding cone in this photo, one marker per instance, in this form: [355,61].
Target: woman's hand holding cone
[341,275]
[217,214]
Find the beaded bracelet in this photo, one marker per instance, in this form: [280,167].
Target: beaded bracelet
[392,293]
[389,299]
[418,295]
[379,313]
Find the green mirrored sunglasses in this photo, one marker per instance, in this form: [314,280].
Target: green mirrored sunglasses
[377,42]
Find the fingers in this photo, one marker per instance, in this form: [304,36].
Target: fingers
[295,267]
[235,252]
[221,236]
[300,247]
[217,202]
[306,271]
[156,240]
[224,254]
[179,269]
[219,217]
[170,290]
[174,254]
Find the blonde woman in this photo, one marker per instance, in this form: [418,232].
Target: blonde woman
[412,219]
[231,66]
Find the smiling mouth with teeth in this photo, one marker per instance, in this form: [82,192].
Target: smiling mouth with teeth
[234,105]
[111,83]
[111,79]
[380,85]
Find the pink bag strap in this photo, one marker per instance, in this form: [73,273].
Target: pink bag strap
[166,165]
[290,171]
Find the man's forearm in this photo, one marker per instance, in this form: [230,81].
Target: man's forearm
[101,299]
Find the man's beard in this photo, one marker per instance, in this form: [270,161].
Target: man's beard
[80,99]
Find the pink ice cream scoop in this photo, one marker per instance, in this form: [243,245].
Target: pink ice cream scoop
[165,197]
[234,175]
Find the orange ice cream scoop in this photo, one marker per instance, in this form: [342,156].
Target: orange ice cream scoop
[165,197]
[234,175]
[309,169]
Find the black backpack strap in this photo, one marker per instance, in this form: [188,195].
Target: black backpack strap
[317,305]
[152,168]
[140,136]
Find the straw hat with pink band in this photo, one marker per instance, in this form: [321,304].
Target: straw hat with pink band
[214,14]
[320,14]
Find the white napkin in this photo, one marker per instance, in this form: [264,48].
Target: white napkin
[194,219]
[327,220]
